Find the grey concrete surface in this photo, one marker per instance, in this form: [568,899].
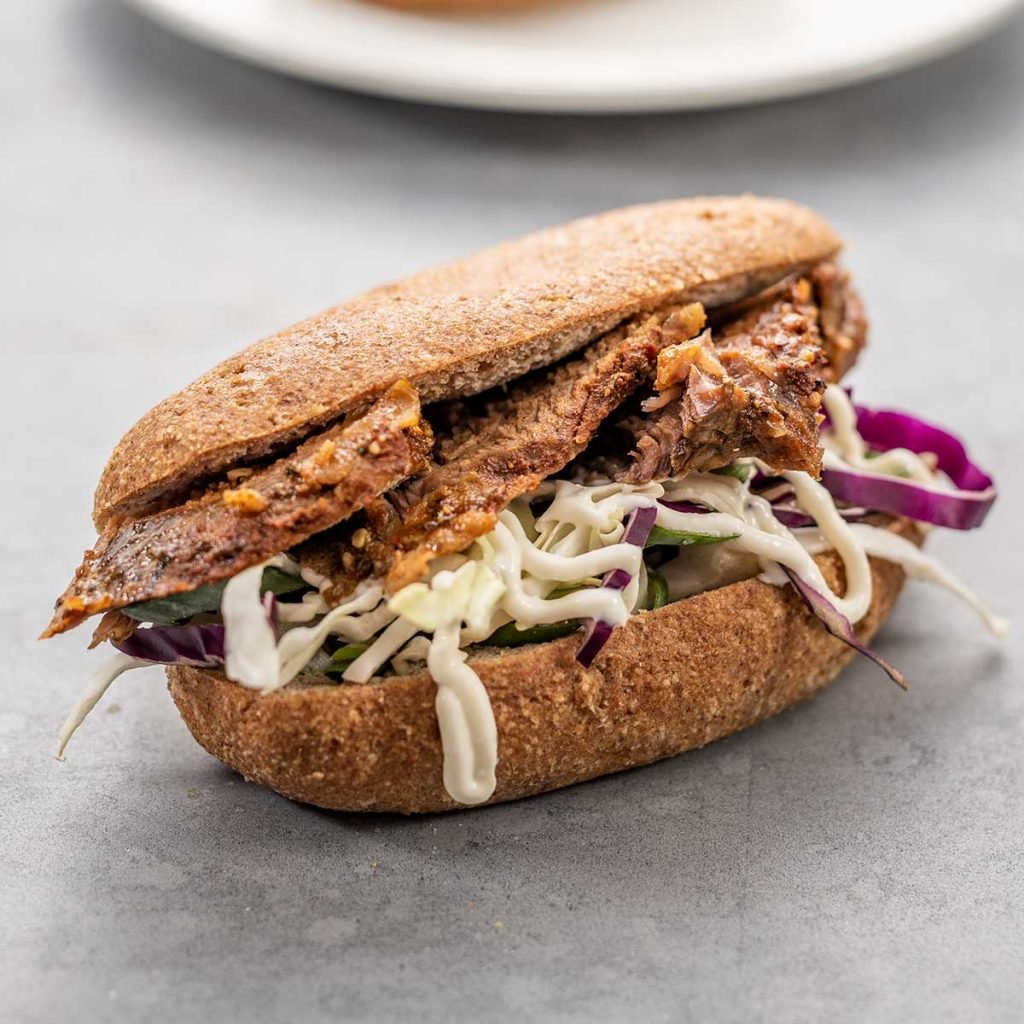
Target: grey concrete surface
[860,858]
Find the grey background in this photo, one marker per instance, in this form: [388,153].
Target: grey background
[857,859]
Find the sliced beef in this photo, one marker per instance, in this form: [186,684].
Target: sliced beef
[254,515]
[498,448]
[842,321]
[535,431]
[752,389]
[114,626]
[838,308]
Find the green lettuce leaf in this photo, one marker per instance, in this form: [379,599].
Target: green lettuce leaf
[179,608]
[342,658]
[739,470]
[510,635]
[657,589]
[680,538]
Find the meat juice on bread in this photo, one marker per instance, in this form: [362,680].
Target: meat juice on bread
[573,504]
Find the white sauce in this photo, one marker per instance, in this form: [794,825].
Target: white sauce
[818,504]
[529,610]
[914,562]
[570,569]
[250,646]
[757,532]
[396,636]
[469,736]
[355,621]
[845,448]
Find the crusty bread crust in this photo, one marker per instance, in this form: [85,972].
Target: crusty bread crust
[459,329]
[668,681]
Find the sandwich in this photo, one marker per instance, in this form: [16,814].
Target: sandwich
[576,503]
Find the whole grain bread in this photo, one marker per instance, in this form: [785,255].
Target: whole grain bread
[458,329]
[668,681]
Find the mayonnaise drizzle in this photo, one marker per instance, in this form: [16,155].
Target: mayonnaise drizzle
[845,448]
[587,603]
[756,531]
[250,646]
[915,563]
[469,736]
[355,621]
[388,644]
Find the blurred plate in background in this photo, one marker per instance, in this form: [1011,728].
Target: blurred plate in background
[591,55]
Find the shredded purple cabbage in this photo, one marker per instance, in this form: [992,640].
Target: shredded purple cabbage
[681,506]
[176,645]
[617,579]
[186,645]
[884,429]
[957,510]
[839,625]
[638,529]
[795,518]
[598,633]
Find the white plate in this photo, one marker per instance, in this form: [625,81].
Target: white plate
[592,55]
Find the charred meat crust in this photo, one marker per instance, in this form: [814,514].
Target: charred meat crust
[842,320]
[753,389]
[211,538]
